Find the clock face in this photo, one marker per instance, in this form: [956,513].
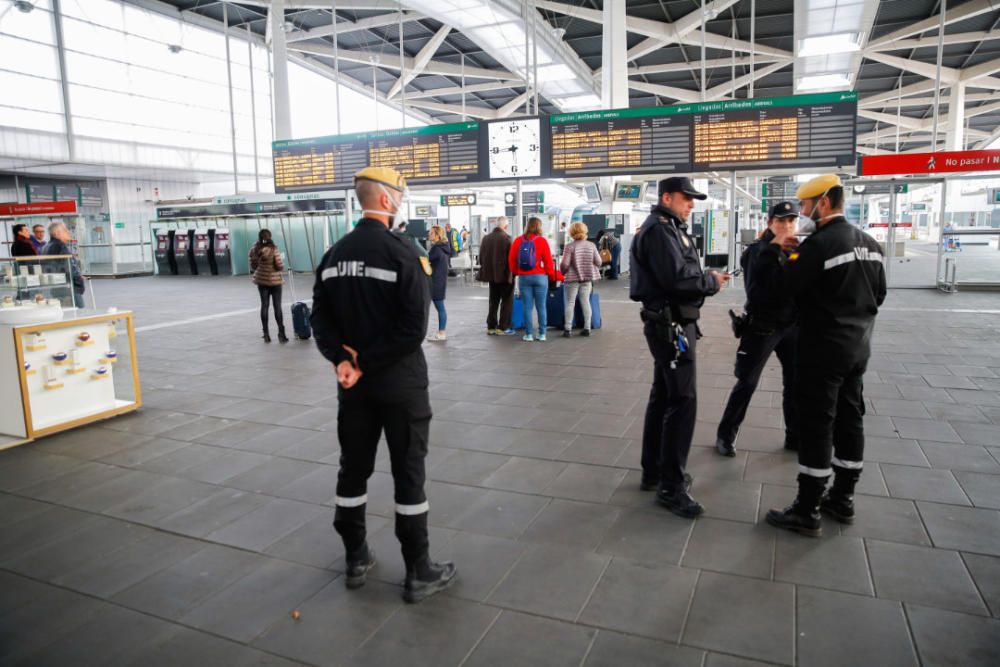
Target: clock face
[515,148]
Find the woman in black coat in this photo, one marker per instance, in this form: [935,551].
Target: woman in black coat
[21,247]
[438,255]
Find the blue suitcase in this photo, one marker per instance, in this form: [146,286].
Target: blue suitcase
[517,314]
[554,307]
[300,320]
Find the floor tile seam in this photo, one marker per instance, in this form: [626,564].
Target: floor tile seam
[972,580]
[590,647]
[968,497]
[910,634]
[224,448]
[975,584]
[593,589]
[688,608]
[173,622]
[167,477]
[481,637]
[203,540]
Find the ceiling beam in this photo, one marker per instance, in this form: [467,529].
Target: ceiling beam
[932,42]
[457,90]
[682,26]
[949,75]
[728,87]
[344,27]
[514,104]
[903,122]
[470,110]
[924,101]
[420,60]
[709,64]
[953,15]
[391,61]
[987,68]
[679,94]
[917,88]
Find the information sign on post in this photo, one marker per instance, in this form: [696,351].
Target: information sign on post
[459,200]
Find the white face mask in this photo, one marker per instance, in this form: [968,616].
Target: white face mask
[806,225]
[395,217]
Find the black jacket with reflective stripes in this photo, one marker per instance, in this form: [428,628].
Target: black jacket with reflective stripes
[768,310]
[372,294]
[838,281]
[664,265]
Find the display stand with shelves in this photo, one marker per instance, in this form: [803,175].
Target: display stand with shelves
[58,375]
[26,278]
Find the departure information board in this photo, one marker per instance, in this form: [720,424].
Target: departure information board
[767,133]
[436,154]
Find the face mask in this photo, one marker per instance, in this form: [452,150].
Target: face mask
[807,225]
[399,215]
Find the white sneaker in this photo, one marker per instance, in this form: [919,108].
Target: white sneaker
[438,336]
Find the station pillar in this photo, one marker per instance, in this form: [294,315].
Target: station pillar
[955,129]
[279,71]
[614,82]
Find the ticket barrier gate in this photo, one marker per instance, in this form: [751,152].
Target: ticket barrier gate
[183,252]
[201,253]
[219,254]
[166,263]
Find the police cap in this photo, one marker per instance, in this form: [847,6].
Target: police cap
[679,184]
[387,176]
[818,186]
[783,209]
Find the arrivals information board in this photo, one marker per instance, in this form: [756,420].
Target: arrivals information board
[436,154]
[796,131]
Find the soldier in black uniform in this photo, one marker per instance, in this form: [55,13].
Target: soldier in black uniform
[838,280]
[666,276]
[769,327]
[369,318]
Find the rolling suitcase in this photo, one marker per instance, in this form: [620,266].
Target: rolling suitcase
[554,304]
[300,320]
[517,314]
[595,312]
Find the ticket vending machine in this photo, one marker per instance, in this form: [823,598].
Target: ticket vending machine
[183,240]
[166,264]
[201,253]
[222,261]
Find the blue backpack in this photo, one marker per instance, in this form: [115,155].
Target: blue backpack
[526,259]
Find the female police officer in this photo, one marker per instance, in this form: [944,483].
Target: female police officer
[369,318]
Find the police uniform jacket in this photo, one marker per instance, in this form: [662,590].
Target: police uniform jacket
[768,310]
[838,282]
[665,266]
[372,294]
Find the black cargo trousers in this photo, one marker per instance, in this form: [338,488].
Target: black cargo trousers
[404,414]
[671,410]
[831,409]
[751,358]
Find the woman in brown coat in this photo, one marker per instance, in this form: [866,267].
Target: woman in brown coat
[266,267]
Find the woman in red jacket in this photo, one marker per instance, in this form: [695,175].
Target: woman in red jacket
[531,261]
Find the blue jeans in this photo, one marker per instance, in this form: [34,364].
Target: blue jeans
[535,291]
[442,314]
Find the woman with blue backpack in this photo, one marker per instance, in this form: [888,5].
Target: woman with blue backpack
[530,260]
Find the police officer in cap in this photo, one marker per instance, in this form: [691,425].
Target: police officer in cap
[369,318]
[666,276]
[838,281]
[769,326]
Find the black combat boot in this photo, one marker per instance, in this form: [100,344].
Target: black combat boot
[358,564]
[425,578]
[282,338]
[725,448]
[802,516]
[267,335]
[839,501]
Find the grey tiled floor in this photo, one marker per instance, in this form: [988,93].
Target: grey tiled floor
[189,532]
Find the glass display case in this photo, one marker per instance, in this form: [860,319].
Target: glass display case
[29,280]
[56,375]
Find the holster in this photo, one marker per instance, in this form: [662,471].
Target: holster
[662,322]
